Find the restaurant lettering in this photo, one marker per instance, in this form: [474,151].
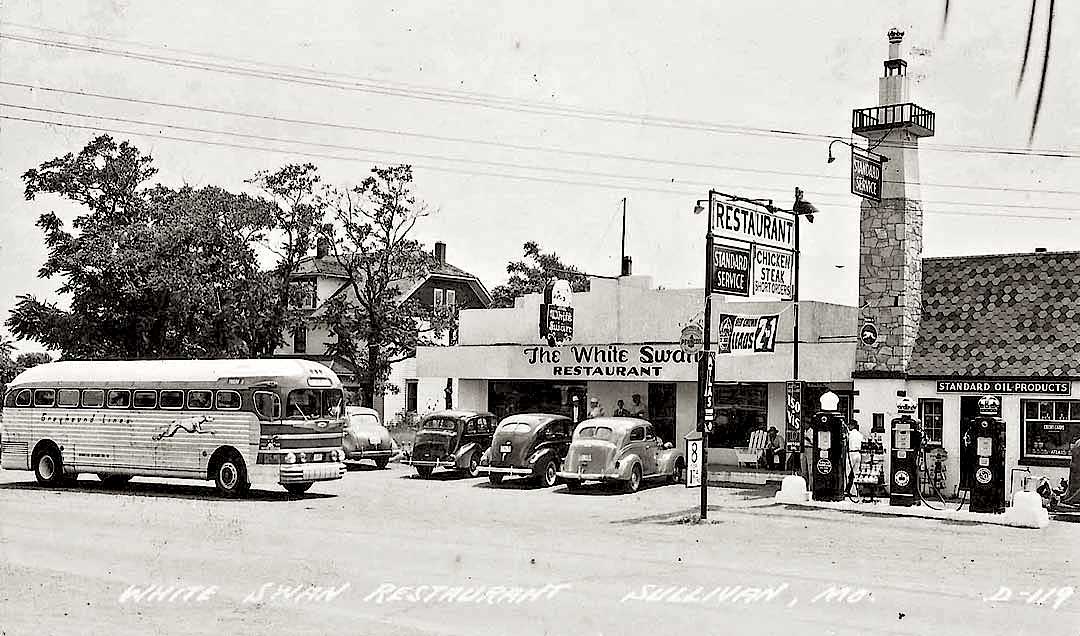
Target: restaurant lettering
[1004,386]
[757,226]
[611,361]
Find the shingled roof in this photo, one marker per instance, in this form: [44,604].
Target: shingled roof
[1002,315]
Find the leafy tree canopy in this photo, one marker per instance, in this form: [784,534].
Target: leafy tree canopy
[533,273]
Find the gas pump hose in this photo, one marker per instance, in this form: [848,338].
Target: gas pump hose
[933,483]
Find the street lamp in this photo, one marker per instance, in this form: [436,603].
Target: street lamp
[831,158]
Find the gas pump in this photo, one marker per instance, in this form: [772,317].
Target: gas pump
[905,448]
[988,483]
[828,459]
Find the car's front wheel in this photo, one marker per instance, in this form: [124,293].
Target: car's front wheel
[382,462]
[634,483]
[424,471]
[678,473]
[573,485]
[548,476]
[495,478]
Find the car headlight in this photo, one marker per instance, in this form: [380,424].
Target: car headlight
[290,458]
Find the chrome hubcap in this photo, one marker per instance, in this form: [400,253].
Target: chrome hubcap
[47,467]
[228,475]
[550,474]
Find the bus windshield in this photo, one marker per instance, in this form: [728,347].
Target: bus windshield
[310,404]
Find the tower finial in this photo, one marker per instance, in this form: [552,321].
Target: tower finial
[895,36]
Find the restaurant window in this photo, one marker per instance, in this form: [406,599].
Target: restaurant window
[930,414]
[411,387]
[1047,431]
[299,340]
[741,409]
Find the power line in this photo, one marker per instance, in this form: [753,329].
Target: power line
[499,144]
[531,178]
[483,162]
[500,103]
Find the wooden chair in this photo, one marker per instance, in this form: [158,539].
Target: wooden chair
[752,452]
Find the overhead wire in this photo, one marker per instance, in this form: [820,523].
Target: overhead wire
[493,143]
[533,178]
[502,103]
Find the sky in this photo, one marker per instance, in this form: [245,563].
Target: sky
[533,121]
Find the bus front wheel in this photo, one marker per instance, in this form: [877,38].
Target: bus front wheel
[230,475]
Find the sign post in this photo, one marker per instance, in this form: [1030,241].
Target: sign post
[695,466]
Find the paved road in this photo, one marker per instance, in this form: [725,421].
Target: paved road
[525,561]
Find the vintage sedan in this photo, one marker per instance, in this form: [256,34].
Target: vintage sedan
[455,440]
[528,445]
[365,437]
[624,449]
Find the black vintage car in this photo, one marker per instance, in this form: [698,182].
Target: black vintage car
[528,445]
[454,440]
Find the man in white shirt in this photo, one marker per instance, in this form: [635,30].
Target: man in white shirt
[855,442]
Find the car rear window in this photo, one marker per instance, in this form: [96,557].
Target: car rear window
[363,419]
[514,427]
[595,432]
[439,424]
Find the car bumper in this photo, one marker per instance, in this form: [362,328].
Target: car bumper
[369,454]
[302,473]
[433,463]
[500,470]
[590,476]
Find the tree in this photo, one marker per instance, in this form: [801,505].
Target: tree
[300,206]
[531,275]
[151,272]
[372,325]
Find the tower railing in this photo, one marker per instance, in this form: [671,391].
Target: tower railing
[919,120]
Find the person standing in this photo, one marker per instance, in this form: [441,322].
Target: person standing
[637,409]
[595,410]
[774,449]
[855,442]
[621,410]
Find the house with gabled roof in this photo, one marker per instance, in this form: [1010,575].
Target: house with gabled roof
[323,277]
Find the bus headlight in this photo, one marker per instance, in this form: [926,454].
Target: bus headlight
[290,458]
[302,457]
[336,456]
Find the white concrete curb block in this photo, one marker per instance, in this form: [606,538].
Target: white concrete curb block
[792,491]
[1027,511]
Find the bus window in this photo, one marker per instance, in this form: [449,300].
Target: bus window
[93,398]
[267,405]
[9,399]
[303,403]
[23,398]
[68,398]
[171,399]
[44,397]
[119,399]
[200,399]
[334,400]
[145,399]
[228,400]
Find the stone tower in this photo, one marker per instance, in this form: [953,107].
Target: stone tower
[890,231]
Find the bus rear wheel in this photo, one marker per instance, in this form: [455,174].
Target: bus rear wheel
[298,489]
[49,468]
[230,475]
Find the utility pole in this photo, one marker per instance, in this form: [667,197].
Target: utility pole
[622,252]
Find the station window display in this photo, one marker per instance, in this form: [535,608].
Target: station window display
[1048,430]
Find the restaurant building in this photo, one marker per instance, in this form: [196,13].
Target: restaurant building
[626,344]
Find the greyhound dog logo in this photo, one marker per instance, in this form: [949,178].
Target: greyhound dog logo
[189,424]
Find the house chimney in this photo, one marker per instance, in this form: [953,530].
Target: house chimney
[627,266]
[322,247]
[440,252]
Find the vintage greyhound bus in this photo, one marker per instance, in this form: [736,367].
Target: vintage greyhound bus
[235,422]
